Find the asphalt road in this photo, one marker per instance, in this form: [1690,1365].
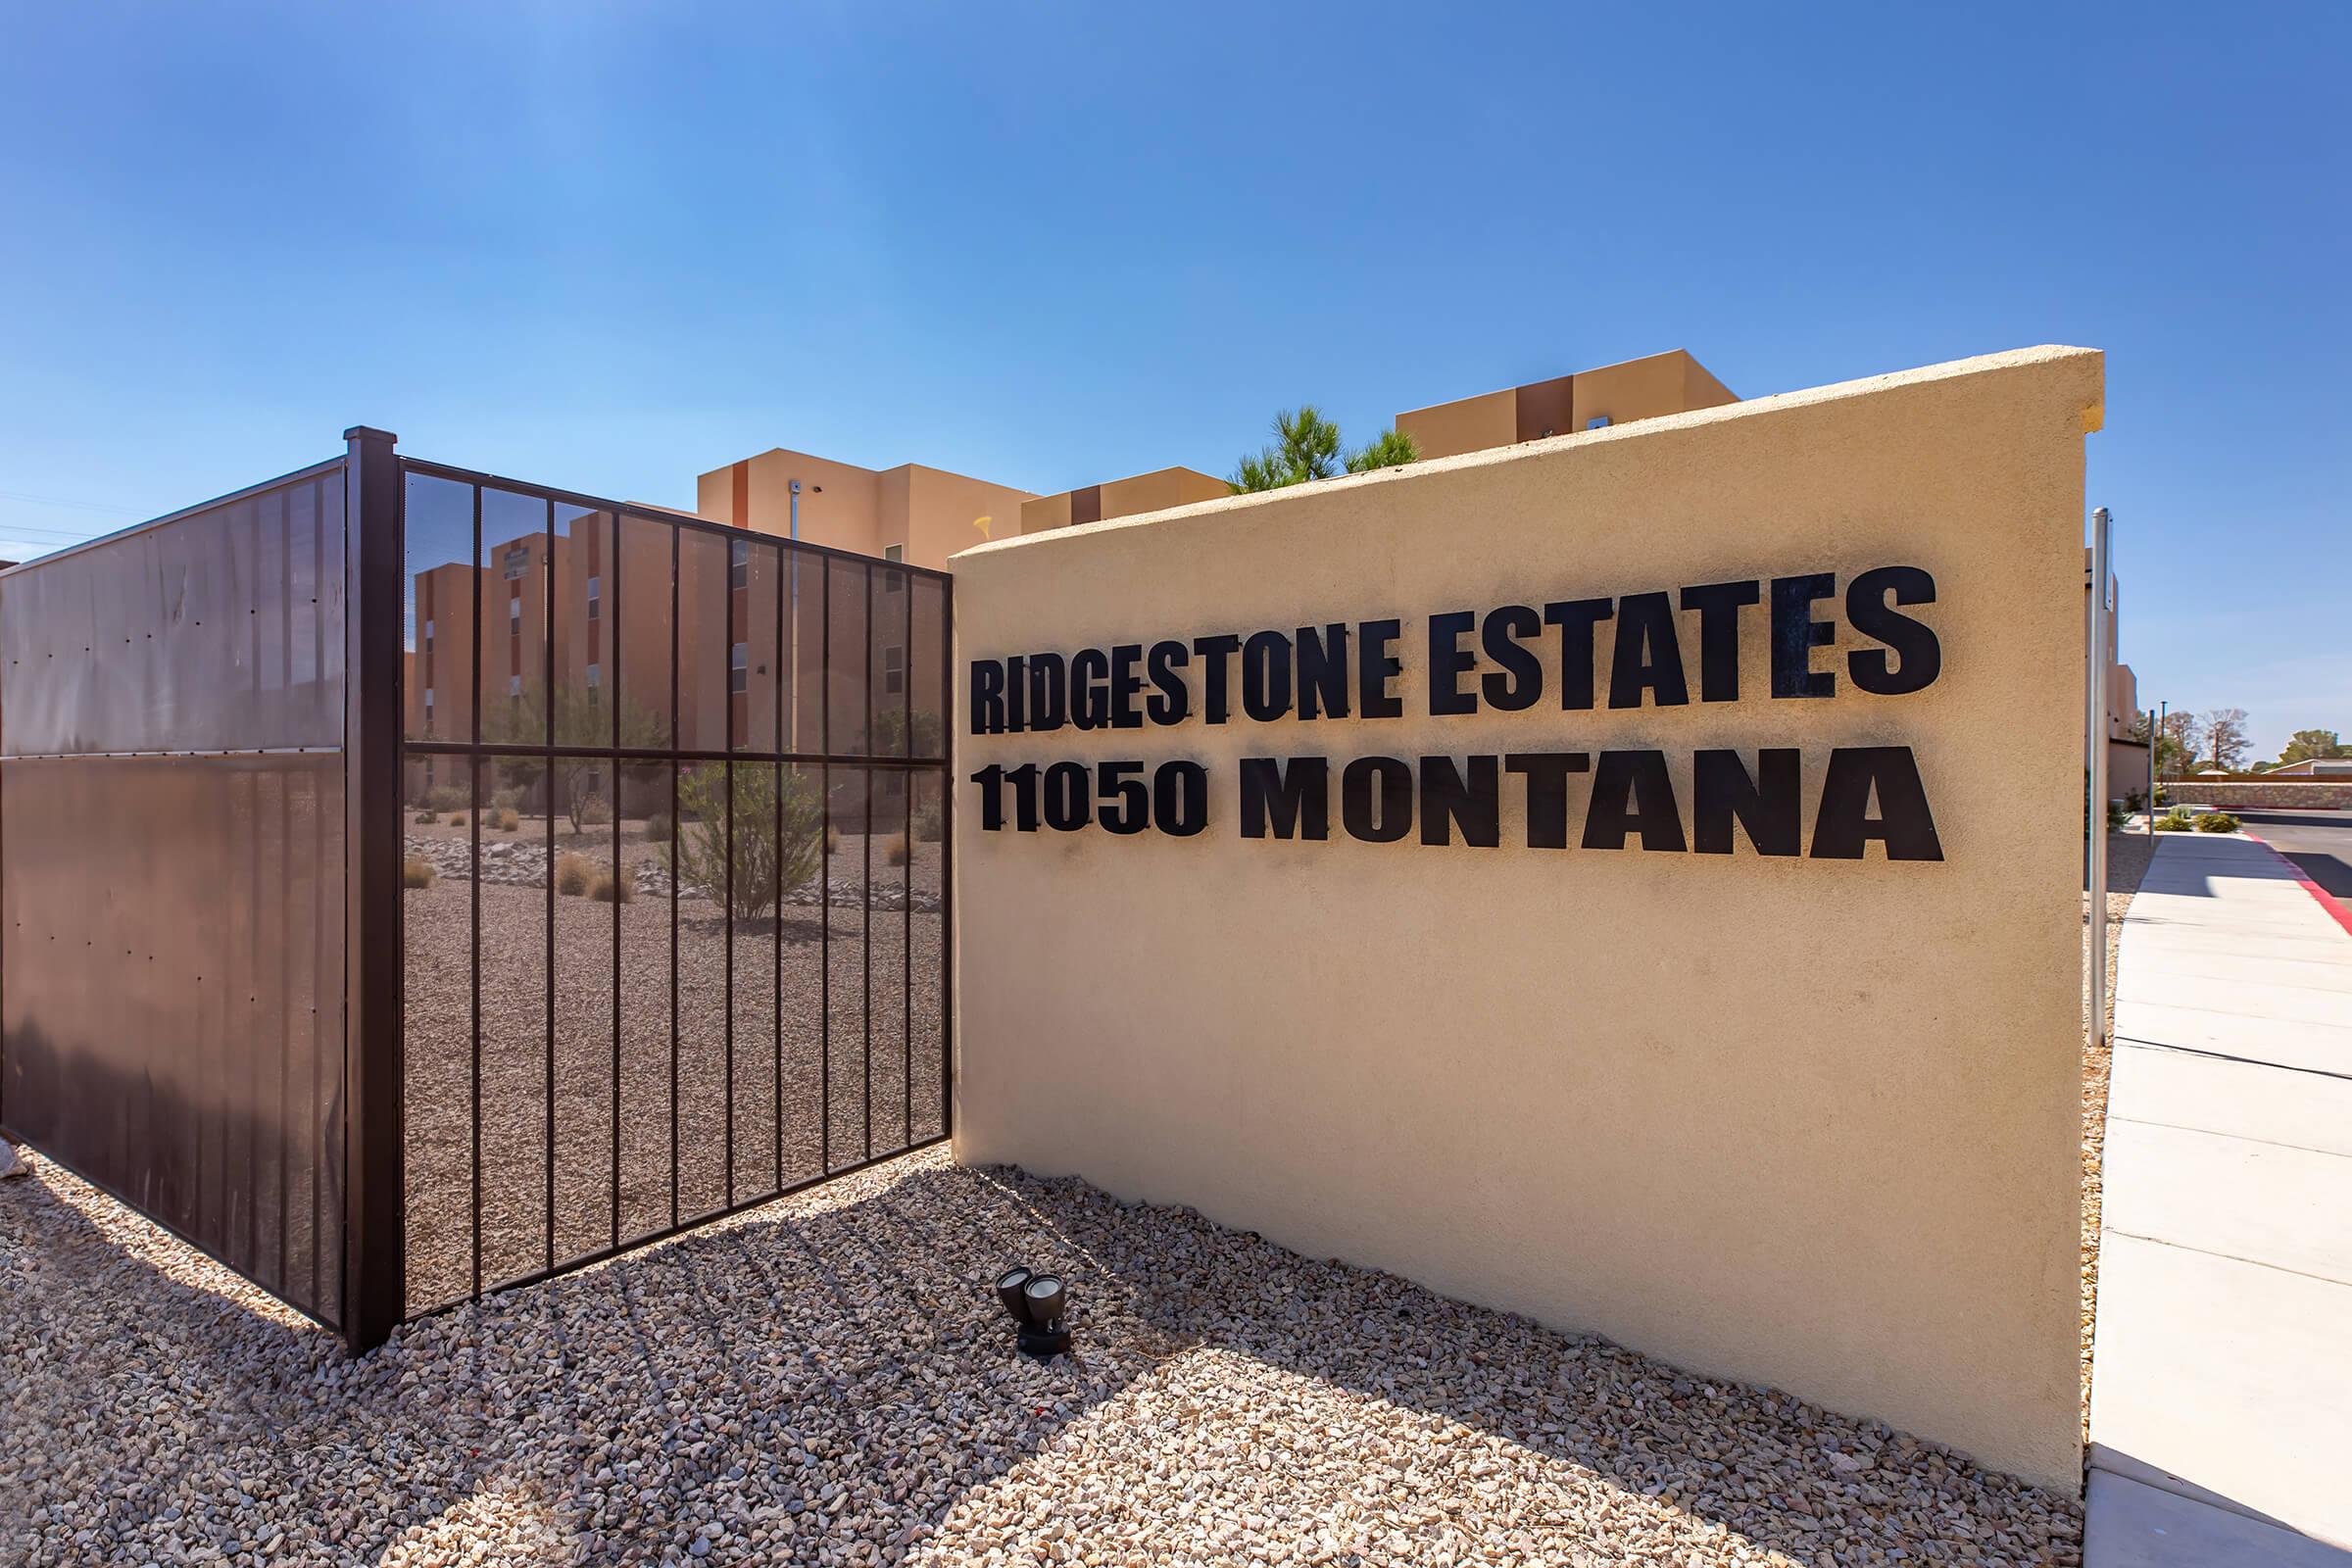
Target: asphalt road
[2319,842]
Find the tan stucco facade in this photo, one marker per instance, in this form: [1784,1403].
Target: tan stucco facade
[1808,1122]
[1156,491]
[1646,388]
[928,514]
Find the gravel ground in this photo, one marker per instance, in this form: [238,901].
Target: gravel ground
[2128,857]
[826,1380]
[780,1060]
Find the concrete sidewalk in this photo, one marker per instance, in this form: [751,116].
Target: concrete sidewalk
[2221,1408]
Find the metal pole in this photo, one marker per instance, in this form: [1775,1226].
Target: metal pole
[2096,729]
[2155,735]
[374,1244]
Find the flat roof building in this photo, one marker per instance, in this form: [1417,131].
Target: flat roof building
[913,514]
[1156,491]
[1672,382]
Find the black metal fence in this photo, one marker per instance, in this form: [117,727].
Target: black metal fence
[674,936]
[414,883]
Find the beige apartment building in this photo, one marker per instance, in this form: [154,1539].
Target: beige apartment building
[923,515]
[913,514]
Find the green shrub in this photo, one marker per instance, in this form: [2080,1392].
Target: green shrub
[2175,820]
[2116,815]
[658,828]
[415,873]
[427,819]
[447,798]
[573,874]
[765,866]
[2217,822]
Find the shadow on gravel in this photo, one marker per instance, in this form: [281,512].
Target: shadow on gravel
[834,1373]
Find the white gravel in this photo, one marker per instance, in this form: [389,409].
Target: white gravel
[828,1380]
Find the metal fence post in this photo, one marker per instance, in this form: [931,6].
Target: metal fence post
[374,1224]
[2098,678]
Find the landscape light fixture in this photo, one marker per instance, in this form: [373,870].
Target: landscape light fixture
[1037,1304]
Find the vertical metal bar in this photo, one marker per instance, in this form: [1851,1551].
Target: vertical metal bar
[2095,710]
[676,868]
[608,628]
[375,1241]
[473,928]
[907,781]
[824,891]
[727,924]
[947,860]
[776,925]
[547,731]
[865,839]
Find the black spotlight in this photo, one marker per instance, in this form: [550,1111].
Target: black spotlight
[1048,1301]
[1008,1291]
[1037,1305]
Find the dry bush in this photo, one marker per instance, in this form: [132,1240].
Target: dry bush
[658,828]
[832,841]
[427,819]
[894,849]
[608,889]
[415,873]
[506,819]
[574,873]
[457,819]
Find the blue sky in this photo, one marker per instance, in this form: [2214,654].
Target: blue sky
[610,246]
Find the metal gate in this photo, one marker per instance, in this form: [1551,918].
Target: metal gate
[675,877]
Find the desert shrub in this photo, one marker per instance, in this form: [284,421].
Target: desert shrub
[415,873]
[2134,801]
[930,821]
[894,848]
[2217,822]
[573,874]
[658,828]
[2116,815]
[447,798]
[767,866]
[457,819]
[832,839]
[594,810]
[507,799]
[609,888]
[506,819]
[427,819]
[2175,820]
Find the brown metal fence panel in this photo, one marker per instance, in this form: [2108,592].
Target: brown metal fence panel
[171,875]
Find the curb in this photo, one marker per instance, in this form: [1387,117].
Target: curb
[2328,901]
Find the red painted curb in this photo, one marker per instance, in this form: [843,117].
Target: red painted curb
[2328,901]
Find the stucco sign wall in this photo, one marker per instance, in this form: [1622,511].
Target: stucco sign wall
[1631,878]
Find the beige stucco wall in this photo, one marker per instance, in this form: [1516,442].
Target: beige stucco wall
[1810,1123]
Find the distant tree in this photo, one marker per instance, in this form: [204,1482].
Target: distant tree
[2176,746]
[2226,737]
[1387,449]
[1306,447]
[2310,743]
[582,720]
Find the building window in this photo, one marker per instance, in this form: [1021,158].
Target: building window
[893,581]
[596,595]
[1598,422]
[428,636]
[428,710]
[739,566]
[894,670]
[739,672]
[514,617]
[595,679]
[513,685]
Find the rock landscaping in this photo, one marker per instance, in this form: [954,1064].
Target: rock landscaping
[828,1380]
[509,861]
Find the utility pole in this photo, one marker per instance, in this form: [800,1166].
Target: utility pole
[2094,729]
